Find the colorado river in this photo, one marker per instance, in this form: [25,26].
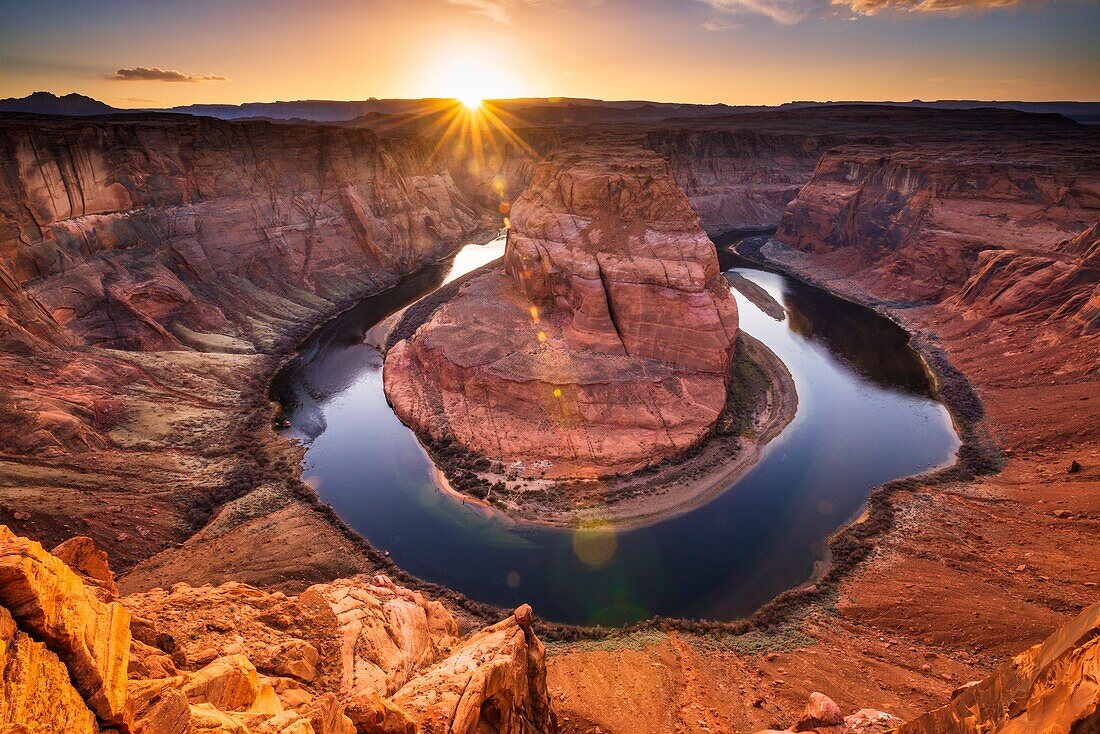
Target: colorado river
[865,416]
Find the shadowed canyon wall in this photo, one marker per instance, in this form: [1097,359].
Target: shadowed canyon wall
[166,232]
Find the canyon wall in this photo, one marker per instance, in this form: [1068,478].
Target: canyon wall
[1007,229]
[740,179]
[165,232]
[602,346]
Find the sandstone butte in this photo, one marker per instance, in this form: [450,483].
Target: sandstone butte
[601,346]
[359,655]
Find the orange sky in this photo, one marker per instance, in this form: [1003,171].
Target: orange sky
[735,51]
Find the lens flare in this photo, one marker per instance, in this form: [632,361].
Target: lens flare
[595,544]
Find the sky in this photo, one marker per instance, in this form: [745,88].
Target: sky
[154,53]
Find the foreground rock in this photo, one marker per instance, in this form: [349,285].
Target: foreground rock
[496,679]
[602,346]
[823,716]
[50,603]
[1051,687]
[358,655]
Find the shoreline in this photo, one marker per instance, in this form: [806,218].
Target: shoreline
[671,488]
[658,493]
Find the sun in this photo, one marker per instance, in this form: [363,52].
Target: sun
[471,78]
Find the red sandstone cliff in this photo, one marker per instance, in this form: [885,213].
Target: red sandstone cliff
[165,232]
[916,223]
[603,345]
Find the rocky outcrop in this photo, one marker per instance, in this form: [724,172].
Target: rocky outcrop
[35,688]
[916,222]
[386,633]
[238,659]
[1051,687]
[494,681]
[1061,288]
[603,344]
[50,603]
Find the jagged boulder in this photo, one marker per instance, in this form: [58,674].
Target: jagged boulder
[159,707]
[82,556]
[1053,687]
[385,633]
[35,688]
[50,602]
[494,681]
[229,683]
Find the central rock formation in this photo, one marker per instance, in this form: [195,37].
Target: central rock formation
[601,347]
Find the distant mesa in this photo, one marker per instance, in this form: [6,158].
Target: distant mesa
[45,103]
[531,110]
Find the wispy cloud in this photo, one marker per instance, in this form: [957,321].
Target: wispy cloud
[501,10]
[497,10]
[153,74]
[716,26]
[870,7]
[789,12]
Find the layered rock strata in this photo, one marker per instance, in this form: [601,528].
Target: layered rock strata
[600,347]
[357,655]
[916,223]
[167,232]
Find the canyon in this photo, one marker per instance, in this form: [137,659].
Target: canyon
[155,270]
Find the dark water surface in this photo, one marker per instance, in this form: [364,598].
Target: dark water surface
[865,416]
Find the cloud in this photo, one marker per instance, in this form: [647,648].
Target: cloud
[786,12]
[153,74]
[870,7]
[789,12]
[496,10]
[716,26]
[501,10]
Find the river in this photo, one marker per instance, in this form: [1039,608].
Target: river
[866,415]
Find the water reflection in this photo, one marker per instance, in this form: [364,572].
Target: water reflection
[864,417]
